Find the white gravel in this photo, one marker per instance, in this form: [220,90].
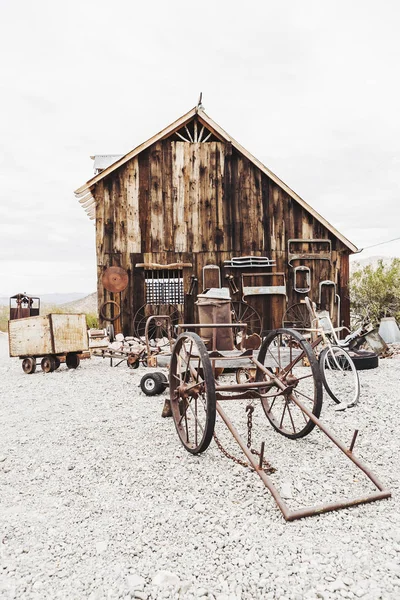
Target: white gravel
[98,499]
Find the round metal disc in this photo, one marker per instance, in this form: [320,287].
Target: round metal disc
[115,279]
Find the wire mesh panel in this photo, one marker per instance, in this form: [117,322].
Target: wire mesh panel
[164,287]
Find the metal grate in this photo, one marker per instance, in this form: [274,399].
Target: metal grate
[164,287]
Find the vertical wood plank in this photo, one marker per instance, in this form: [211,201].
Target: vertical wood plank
[178,187]
[156,198]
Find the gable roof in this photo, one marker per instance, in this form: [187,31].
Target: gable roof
[87,200]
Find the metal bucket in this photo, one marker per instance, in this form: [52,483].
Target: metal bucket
[389,330]
[216,310]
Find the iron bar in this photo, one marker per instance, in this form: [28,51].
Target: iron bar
[353,441]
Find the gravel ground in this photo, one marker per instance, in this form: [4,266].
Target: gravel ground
[98,499]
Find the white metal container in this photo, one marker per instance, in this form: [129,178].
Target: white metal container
[389,330]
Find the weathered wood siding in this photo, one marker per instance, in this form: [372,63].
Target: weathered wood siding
[204,203]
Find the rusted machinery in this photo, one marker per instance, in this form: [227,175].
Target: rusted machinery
[287,383]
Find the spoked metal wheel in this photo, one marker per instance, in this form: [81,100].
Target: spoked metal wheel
[297,316]
[192,392]
[339,375]
[244,313]
[158,330]
[292,361]
[244,375]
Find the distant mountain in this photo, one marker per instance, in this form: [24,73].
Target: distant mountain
[54,299]
[88,304]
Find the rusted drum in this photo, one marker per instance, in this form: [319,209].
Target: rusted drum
[115,279]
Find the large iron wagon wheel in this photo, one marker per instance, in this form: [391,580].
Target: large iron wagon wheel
[291,359]
[297,317]
[158,329]
[242,312]
[192,392]
[339,375]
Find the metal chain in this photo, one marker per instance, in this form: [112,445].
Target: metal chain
[267,467]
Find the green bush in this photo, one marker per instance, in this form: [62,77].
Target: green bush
[92,321]
[375,291]
[4,314]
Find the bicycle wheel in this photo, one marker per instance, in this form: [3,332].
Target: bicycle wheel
[339,375]
[292,362]
[192,393]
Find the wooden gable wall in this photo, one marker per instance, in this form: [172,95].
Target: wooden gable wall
[203,203]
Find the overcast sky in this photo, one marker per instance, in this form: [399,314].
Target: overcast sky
[311,88]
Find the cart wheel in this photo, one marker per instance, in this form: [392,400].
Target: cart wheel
[158,329]
[132,362]
[103,311]
[72,360]
[339,375]
[192,392]
[29,365]
[297,316]
[244,375]
[293,362]
[57,362]
[152,384]
[242,312]
[163,378]
[48,364]
[110,332]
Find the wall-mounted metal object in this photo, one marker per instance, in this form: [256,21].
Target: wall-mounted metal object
[302,279]
[295,251]
[254,262]
[261,290]
[326,283]
[211,277]
[193,284]
[232,284]
[115,279]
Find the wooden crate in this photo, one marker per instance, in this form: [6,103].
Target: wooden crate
[50,334]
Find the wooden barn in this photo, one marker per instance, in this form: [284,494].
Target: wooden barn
[191,209]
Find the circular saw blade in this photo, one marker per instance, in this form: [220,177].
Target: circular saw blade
[115,279]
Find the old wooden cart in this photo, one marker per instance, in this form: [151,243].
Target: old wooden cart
[49,338]
[287,383]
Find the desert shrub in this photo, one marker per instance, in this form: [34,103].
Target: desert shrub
[4,314]
[375,291]
[92,321]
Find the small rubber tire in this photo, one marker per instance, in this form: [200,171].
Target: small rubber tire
[364,360]
[29,365]
[133,365]
[57,362]
[48,364]
[72,360]
[151,384]
[111,332]
[163,378]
